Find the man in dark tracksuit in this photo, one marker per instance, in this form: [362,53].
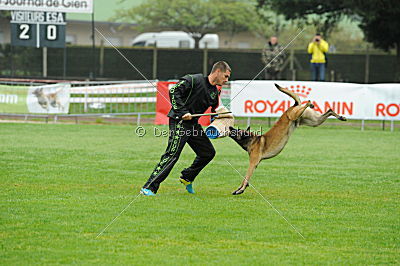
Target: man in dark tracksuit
[193,94]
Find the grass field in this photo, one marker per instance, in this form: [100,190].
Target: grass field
[62,184]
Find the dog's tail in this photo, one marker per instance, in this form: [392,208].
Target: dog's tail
[295,97]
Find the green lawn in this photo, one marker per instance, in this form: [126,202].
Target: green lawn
[62,184]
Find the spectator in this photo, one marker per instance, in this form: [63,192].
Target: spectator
[317,48]
[274,65]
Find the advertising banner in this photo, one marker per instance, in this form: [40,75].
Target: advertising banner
[69,6]
[13,99]
[49,99]
[354,101]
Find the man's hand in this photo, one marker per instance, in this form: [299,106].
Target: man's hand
[187,116]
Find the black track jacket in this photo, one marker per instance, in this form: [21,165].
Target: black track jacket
[192,94]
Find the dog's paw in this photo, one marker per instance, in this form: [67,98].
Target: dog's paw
[238,191]
[342,118]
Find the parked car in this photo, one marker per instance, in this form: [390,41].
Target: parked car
[174,39]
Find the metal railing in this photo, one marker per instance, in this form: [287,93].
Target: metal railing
[86,99]
[112,97]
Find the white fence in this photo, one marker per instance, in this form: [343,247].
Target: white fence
[97,96]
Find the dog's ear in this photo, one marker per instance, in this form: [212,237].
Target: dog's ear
[248,128]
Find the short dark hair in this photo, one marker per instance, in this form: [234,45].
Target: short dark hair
[221,65]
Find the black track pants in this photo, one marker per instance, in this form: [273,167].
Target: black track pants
[182,132]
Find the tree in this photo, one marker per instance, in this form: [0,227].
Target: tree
[380,23]
[236,17]
[269,24]
[324,15]
[379,20]
[197,17]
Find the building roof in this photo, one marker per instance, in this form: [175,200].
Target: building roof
[104,10]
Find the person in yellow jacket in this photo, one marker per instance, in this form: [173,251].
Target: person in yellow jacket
[317,48]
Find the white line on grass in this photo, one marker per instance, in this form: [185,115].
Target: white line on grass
[126,59]
[280,214]
[127,206]
[130,63]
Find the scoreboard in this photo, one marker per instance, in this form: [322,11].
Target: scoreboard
[41,23]
[38,28]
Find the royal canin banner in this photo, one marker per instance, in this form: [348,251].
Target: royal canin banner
[354,101]
[163,105]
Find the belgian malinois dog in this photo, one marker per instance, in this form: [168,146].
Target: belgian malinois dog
[272,143]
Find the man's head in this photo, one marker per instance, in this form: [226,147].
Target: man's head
[220,73]
[273,40]
[317,37]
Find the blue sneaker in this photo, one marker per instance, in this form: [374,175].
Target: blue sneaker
[147,192]
[188,185]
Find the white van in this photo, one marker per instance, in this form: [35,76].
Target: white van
[174,39]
